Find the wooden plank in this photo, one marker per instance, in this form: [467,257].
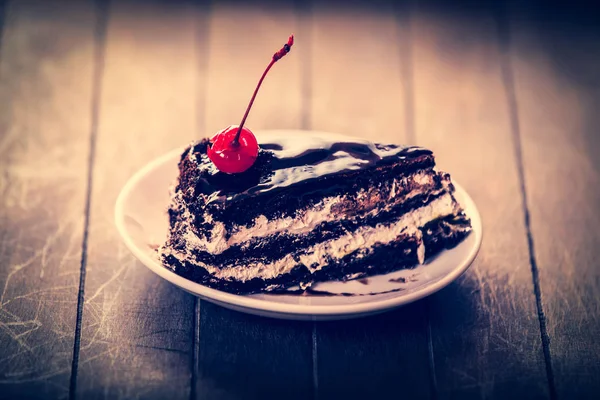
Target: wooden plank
[242,356]
[45,95]
[243,39]
[357,81]
[358,71]
[376,357]
[136,338]
[485,332]
[555,53]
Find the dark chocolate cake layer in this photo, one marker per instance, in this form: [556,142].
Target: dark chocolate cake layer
[310,209]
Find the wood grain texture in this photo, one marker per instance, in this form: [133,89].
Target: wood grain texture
[358,88]
[136,339]
[374,357]
[173,73]
[45,93]
[243,39]
[241,356]
[249,357]
[357,83]
[557,84]
[485,331]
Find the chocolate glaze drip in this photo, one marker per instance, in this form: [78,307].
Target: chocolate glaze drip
[292,161]
[324,293]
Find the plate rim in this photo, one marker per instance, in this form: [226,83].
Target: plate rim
[261,305]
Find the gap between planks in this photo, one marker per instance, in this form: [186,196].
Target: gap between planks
[101,11]
[504,40]
[196,350]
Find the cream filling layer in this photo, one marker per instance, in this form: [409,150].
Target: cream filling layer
[303,223]
[362,239]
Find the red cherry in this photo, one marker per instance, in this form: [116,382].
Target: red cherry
[235,148]
[233,157]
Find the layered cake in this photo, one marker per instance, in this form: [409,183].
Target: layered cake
[309,209]
[291,212]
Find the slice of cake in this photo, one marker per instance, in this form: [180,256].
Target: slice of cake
[309,209]
[247,218]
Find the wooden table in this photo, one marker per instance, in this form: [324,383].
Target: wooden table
[506,95]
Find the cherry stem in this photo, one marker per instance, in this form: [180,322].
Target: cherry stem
[276,57]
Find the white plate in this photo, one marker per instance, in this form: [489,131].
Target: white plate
[141,219]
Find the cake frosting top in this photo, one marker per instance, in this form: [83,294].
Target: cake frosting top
[291,161]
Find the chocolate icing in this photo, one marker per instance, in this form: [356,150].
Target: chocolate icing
[289,175]
[294,161]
